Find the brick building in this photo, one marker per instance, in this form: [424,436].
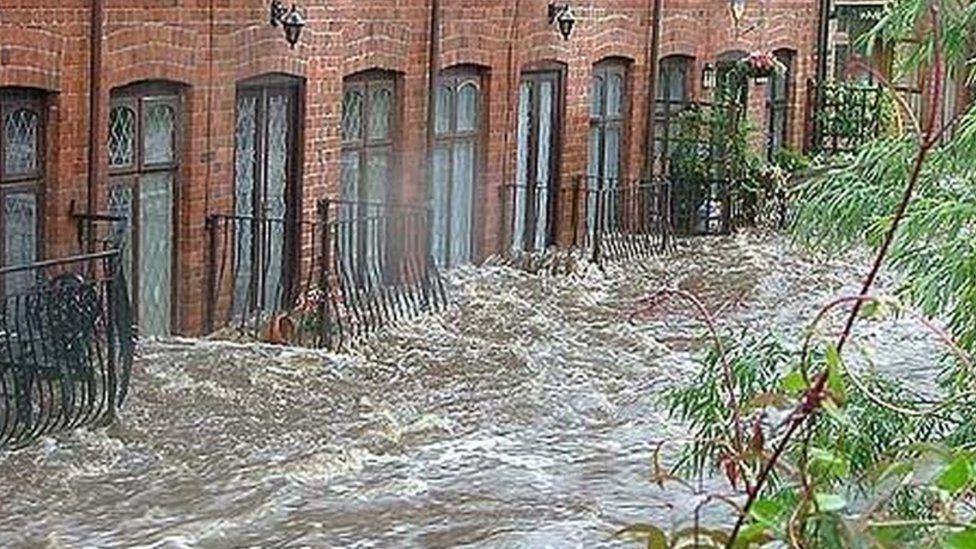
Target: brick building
[163,112]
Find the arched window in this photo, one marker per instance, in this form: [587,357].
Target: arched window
[143,161]
[731,87]
[21,181]
[369,137]
[672,96]
[607,115]
[457,136]
[778,94]
[266,180]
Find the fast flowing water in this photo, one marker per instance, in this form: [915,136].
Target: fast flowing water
[525,416]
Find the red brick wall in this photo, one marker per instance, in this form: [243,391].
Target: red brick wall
[208,46]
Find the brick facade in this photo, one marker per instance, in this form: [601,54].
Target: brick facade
[207,48]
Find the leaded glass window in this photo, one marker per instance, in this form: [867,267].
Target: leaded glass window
[671,97]
[457,137]
[370,103]
[778,93]
[21,183]
[264,181]
[143,158]
[537,173]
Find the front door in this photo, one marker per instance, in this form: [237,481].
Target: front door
[265,138]
[537,169]
[143,164]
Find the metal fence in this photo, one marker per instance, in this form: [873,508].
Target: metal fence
[843,116]
[376,268]
[605,219]
[367,265]
[711,206]
[66,345]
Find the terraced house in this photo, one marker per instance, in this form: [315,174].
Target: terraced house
[240,147]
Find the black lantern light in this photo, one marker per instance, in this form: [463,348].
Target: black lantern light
[290,20]
[562,16]
[708,76]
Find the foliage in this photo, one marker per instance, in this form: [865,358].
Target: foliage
[908,22]
[850,203]
[817,454]
[880,469]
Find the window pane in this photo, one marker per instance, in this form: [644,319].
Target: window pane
[593,165]
[597,90]
[352,115]
[677,84]
[522,165]
[615,95]
[155,252]
[245,155]
[121,137]
[461,202]
[439,203]
[380,109]
[350,176]
[377,175]
[467,108]
[244,182]
[611,155]
[20,238]
[442,121]
[120,205]
[20,129]
[543,158]
[274,201]
[159,139]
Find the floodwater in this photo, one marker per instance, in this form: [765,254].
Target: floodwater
[525,416]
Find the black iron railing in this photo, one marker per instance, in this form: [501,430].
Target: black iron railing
[616,219]
[376,268]
[605,218]
[253,271]
[844,115]
[66,345]
[711,206]
[367,265]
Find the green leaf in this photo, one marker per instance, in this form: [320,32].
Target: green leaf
[830,503]
[965,539]
[956,476]
[794,383]
[754,534]
[766,511]
[833,410]
[830,462]
[835,378]
[656,538]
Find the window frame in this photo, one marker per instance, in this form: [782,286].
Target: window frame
[456,78]
[664,115]
[13,99]
[364,144]
[135,97]
[605,70]
[781,106]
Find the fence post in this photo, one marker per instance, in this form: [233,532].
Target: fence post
[211,226]
[598,219]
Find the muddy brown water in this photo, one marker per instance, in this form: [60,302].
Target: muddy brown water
[525,416]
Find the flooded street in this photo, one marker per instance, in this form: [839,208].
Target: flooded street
[524,416]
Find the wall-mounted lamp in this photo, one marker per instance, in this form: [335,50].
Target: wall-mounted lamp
[562,15]
[290,20]
[708,76]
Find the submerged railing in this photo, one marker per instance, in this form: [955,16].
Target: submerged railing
[368,265]
[711,207]
[604,219]
[66,345]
